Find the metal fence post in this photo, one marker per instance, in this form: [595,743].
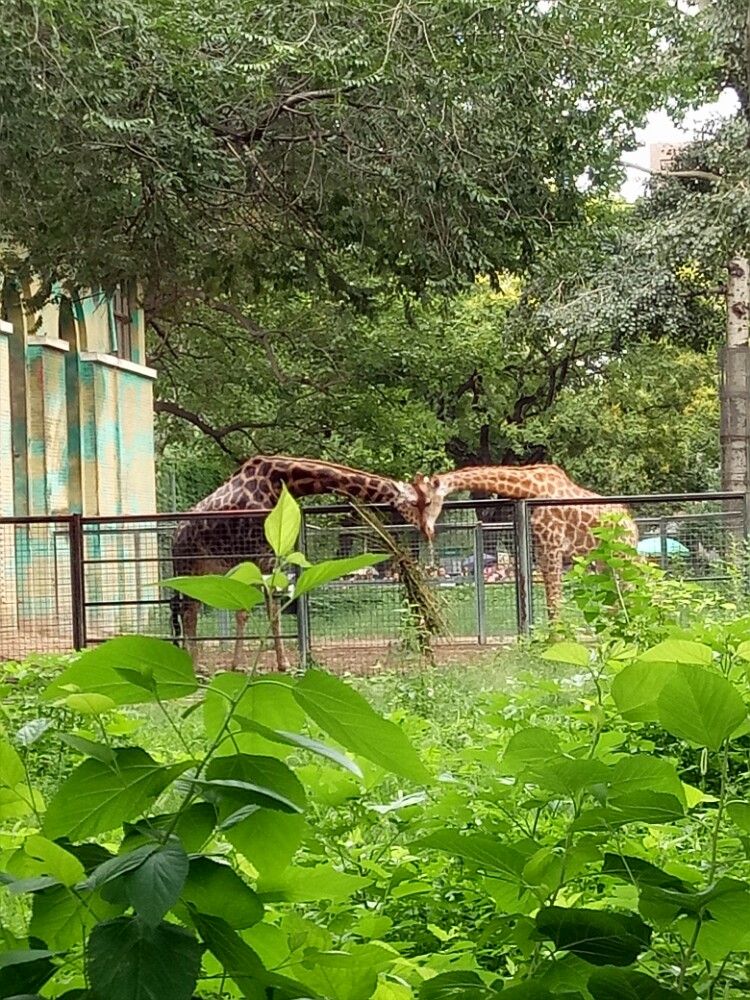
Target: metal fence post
[479,583]
[303,611]
[524,579]
[663,551]
[77,581]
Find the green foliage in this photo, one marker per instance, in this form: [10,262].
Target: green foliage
[203,150]
[575,831]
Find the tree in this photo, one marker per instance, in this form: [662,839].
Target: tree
[340,144]
[459,383]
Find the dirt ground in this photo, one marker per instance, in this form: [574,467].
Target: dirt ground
[359,657]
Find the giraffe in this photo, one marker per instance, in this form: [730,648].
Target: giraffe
[559,533]
[217,545]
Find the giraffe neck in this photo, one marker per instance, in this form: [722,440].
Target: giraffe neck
[308,477]
[518,482]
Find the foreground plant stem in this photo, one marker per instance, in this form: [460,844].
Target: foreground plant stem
[688,953]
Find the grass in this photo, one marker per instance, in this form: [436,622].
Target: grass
[376,611]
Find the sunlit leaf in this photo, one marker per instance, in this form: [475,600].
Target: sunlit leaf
[94,671]
[345,715]
[281,527]
[700,706]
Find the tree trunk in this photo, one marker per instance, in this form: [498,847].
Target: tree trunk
[734,381]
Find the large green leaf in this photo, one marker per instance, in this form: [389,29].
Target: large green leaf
[536,991]
[24,972]
[192,828]
[128,960]
[728,929]
[640,872]
[217,591]
[281,526]
[246,572]
[700,706]
[15,797]
[268,701]
[530,746]
[333,569]
[739,812]
[624,984]
[300,742]
[345,715]
[155,886]
[268,839]
[643,807]
[241,963]
[693,902]
[566,777]
[636,688]
[350,974]
[601,938]
[117,866]
[11,766]
[460,985]
[245,778]
[307,885]
[487,853]
[678,651]
[632,774]
[61,918]
[568,652]
[166,672]
[96,798]
[55,860]
[217,890]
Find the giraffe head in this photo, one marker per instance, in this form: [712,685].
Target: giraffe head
[432,492]
[407,500]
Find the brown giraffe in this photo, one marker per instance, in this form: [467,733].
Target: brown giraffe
[559,533]
[217,545]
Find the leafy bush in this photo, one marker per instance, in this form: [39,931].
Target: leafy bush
[277,838]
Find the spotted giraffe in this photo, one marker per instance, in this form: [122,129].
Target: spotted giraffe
[559,533]
[218,544]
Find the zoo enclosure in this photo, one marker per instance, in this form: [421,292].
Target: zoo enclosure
[70,582]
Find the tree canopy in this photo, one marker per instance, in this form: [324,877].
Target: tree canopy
[385,233]
[212,146]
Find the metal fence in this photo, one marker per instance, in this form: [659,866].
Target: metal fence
[71,582]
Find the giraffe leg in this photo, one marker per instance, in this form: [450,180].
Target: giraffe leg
[274,616]
[552,576]
[190,611]
[241,620]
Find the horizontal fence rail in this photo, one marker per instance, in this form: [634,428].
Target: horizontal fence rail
[67,582]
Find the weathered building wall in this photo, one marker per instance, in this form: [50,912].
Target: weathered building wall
[76,436]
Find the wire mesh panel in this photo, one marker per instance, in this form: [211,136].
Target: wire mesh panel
[689,538]
[35,588]
[72,581]
[121,571]
[366,607]
[125,560]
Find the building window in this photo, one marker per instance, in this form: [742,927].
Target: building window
[123,307]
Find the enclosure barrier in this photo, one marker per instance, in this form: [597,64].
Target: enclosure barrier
[71,582]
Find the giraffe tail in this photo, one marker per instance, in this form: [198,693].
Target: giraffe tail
[176,605]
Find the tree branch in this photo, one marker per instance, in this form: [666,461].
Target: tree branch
[287,105]
[255,331]
[698,175]
[217,434]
